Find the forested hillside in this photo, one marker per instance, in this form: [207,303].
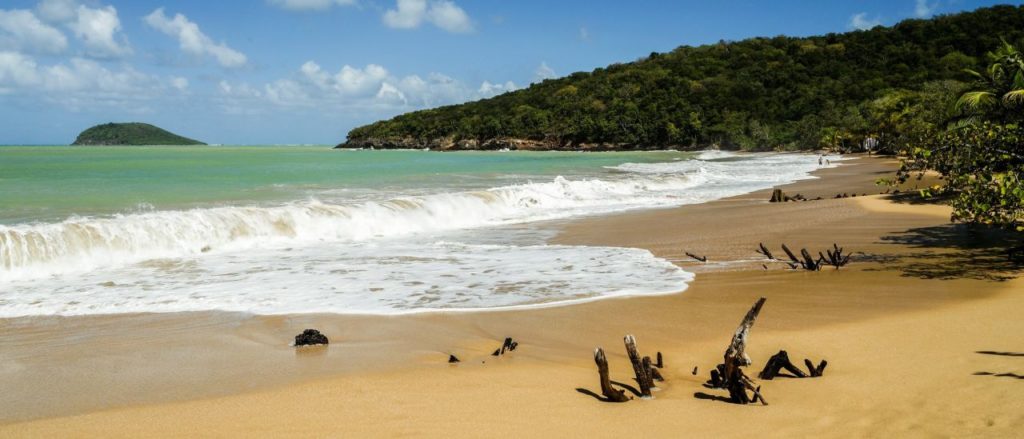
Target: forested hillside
[760,93]
[132,133]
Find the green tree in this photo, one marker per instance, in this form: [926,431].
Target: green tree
[981,159]
[999,91]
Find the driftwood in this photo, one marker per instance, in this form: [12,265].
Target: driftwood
[778,362]
[809,263]
[835,256]
[508,345]
[731,374]
[643,379]
[699,258]
[452,358]
[610,393]
[781,361]
[792,256]
[816,371]
[777,196]
[652,372]
[716,381]
[660,364]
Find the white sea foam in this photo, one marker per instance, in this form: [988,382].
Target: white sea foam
[390,277]
[230,258]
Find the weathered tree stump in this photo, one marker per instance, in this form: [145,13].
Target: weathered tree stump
[716,380]
[642,378]
[508,345]
[816,371]
[778,362]
[610,393]
[660,364]
[452,359]
[652,372]
[792,256]
[835,256]
[764,251]
[809,262]
[777,196]
[733,378]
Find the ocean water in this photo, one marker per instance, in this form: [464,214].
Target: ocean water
[274,230]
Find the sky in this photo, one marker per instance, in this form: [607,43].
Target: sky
[308,71]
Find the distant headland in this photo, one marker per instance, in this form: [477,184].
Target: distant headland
[131,133]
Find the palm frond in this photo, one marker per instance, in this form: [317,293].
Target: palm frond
[975,74]
[1014,97]
[974,100]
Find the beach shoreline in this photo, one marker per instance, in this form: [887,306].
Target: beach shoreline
[233,374]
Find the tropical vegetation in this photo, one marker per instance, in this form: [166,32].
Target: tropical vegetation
[132,133]
[780,93]
[980,152]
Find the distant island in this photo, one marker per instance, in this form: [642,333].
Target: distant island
[779,93]
[132,133]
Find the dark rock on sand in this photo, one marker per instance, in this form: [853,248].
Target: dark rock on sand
[310,337]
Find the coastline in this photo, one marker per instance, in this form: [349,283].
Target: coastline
[879,323]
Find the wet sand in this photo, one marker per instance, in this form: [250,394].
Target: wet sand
[900,327]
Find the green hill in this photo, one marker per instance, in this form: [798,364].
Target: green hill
[760,93]
[133,133]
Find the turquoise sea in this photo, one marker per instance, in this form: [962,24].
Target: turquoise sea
[276,229]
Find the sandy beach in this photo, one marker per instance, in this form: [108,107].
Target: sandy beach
[922,333]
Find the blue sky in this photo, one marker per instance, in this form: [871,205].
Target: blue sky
[307,71]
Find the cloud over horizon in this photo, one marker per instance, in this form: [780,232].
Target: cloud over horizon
[861,21]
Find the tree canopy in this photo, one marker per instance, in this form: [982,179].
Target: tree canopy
[980,153]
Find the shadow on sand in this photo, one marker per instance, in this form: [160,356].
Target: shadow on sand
[1002,354]
[710,397]
[954,251]
[1004,375]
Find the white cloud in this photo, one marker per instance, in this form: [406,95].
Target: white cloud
[488,90]
[584,34]
[310,5]
[192,40]
[98,28]
[21,30]
[390,94]
[923,9]
[449,16]
[354,81]
[287,92]
[179,83]
[241,90]
[366,88]
[862,22]
[445,14]
[544,72]
[17,70]
[81,83]
[57,10]
[409,14]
